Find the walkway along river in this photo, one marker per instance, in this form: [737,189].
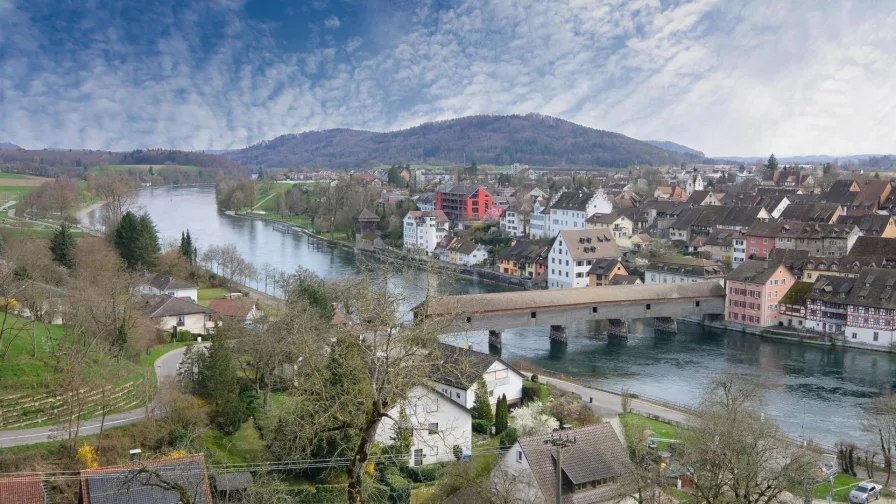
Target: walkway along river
[814,392]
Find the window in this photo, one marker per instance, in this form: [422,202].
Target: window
[580,275]
[765,240]
[434,428]
[491,393]
[648,306]
[567,274]
[180,319]
[594,308]
[567,263]
[532,315]
[457,395]
[434,450]
[519,456]
[875,335]
[433,406]
[854,335]
[469,319]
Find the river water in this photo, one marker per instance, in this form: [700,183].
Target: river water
[812,392]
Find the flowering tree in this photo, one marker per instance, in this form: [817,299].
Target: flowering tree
[534,420]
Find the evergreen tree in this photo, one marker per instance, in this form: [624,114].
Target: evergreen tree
[137,241]
[482,410]
[772,164]
[217,382]
[62,246]
[187,250]
[148,242]
[501,415]
[151,171]
[121,339]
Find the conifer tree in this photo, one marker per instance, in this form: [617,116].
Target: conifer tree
[62,246]
[218,383]
[482,410]
[137,241]
[501,415]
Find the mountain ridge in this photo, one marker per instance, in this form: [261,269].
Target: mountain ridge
[10,146]
[675,147]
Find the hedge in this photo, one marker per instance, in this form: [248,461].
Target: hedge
[532,391]
[425,474]
[482,427]
[399,488]
[509,437]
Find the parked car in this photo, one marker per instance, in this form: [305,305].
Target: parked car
[865,493]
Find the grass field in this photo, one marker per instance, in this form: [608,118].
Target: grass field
[634,425]
[245,446]
[208,294]
[13,176]
[125,168]
[843,484]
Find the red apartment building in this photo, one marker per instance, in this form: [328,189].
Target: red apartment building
[753,292]
[760,239]
[463,202]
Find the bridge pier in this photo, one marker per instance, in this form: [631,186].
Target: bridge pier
[666,326]
[559,333]
[617,330]
[494,338]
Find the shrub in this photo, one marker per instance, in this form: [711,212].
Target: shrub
[509,437]
[425,474]
[534,378]
[535,391]
[185,335]
[457,451]
[399,488]
[481,427]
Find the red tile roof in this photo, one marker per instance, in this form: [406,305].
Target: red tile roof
[24,489]
[238,308]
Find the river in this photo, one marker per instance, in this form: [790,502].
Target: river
[812,392]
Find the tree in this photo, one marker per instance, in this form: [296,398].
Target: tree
[534,420]
[482,410]
[218,383]
[137,241]
[187,249]
[121,340]
[733,454]
[501,412]
[880,421]
[772,164]
[62,245]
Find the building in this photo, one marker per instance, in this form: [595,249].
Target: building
[826,301]
[595,469]
[871,308]
[719,245]
[177,314]
[438,425]
[603,271]
[825,240]
[423,230]
[515,219]
[682,269]
[161,285]
[426,202]
[792,305]
[461,369]
[824,213]
[753,292]
[759,240]
[238,309]
[23,488]
[135,483]
[573,254]
[572,208]
[621,226]
[701,198]
[876,225]
[680,230]
[539,220]
[460,251]
[366,228]
[670,192]
[626,280]
[525,258]
[464,202]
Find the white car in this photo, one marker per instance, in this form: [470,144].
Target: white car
[865,493]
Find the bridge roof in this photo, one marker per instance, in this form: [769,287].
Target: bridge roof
[527,300]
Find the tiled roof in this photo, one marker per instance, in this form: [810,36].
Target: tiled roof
[596,455]
[237,308]
[764,229]
[590,244]
[526,250]
[870,246]
[682,265]
[720,238]
[840,192]
[869,224]
[465,190]
[573,200]
[367,215]
[603,266]
[438,215]
[624,280]
[126,485]
[754,272]
[462,367]
[875,287]
[163,283]
[796,295]
[603,218]
[232,481]
[698,197]
[831,288]
[741,217]
[22,489]
[810,212]
[687,218]
[170,306]
[815,230]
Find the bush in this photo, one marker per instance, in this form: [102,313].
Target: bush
[534,378]
[185,335]
[457,451]
[399,488]
[425,474]
[482,427]
[509,437]
[535,391]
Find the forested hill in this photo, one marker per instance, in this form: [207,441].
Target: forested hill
[531,139]
[9,146]
[674,147]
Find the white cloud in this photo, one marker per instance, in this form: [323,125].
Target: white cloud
[752,78]
[332,22]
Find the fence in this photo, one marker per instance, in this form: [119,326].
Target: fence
[24,410]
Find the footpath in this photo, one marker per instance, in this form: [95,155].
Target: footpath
[166,367]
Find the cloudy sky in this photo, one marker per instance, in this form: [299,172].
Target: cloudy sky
[744,77]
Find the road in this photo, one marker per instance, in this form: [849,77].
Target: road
[166,367]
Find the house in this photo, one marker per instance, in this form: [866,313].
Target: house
[231,486]
[719,245]
[640,218]
[175,314]
[426,202]
[139,483]
[461,369]
[464,202]
[165,285]
[603,271]
[842,192]
[682,269]
[515,219]
[792,305]
[525,257]
[739,218]
[680,230]
[881,226]
[664,214]
[828,240]
[824,213]
[423,230]
[621,226]
[595,469]
[670,192]
[760,240]
[572,208]
[573,253]
[22,488]
[826,301]
[871,308]
[438,425]
[701,198]
[240,310]
[753,292]
[873,195]
[626,280]
[539,219]
[460,251]
[528,191]
[42,302]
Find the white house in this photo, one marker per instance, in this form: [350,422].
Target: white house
[572,208]
[573,253]
[423,230]
[438,424]
[170,313]
[459,251]
[462,368]
[539,220]
[426,202]
[167,286]
[593,470]
[682,269]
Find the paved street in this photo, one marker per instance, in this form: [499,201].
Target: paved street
[166,367]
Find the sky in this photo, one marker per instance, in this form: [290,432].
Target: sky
[746,77]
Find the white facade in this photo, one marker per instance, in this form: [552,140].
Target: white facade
[478,256]
[499,379]
[516,168]
[574,220]
[877,337]
[514,474]
[439,424]
[739,255]
[423,232]
[564,272]
[199,323]
[512,224]
[778,210]
[660,277]
[539,223]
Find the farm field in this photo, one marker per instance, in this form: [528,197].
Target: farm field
[14,187]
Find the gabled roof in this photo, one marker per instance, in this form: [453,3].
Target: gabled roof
[831,288]
[810,212]
[526,250]
[367,215]
[711,216]
[590,243]
[720,238]
[573,200]
[698,197]
[793,260]
[603,218]
[438,215]
[815,230]
[125,484]
[753,272]
[625,280]
[690,266]
[874,287]
[841,192]
[170,306]
[869,224]
[873,192]
[741,217]
[237,308]
[797,293]
[604,265]
[22,489]
[163,283]
[687,218]
[462,367]
[765,229]
[871,246]
[596,455]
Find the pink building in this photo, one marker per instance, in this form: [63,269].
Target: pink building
[760,239]
[754,291]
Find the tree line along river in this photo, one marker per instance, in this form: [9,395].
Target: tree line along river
[814,392]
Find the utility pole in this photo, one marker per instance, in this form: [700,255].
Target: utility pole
[560,442]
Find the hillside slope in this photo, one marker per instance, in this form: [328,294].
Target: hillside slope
[531,139]
[9,146]
[674,147]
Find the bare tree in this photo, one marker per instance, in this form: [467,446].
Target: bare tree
[880,421]
[117,190]
[268,272]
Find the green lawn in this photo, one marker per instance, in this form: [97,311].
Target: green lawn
[20,371]
[18,176]
[843,484]
[635,425]
[208,294]
[243,447]
[295,220]
[10,192]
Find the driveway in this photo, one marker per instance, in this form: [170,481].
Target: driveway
[166,367]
